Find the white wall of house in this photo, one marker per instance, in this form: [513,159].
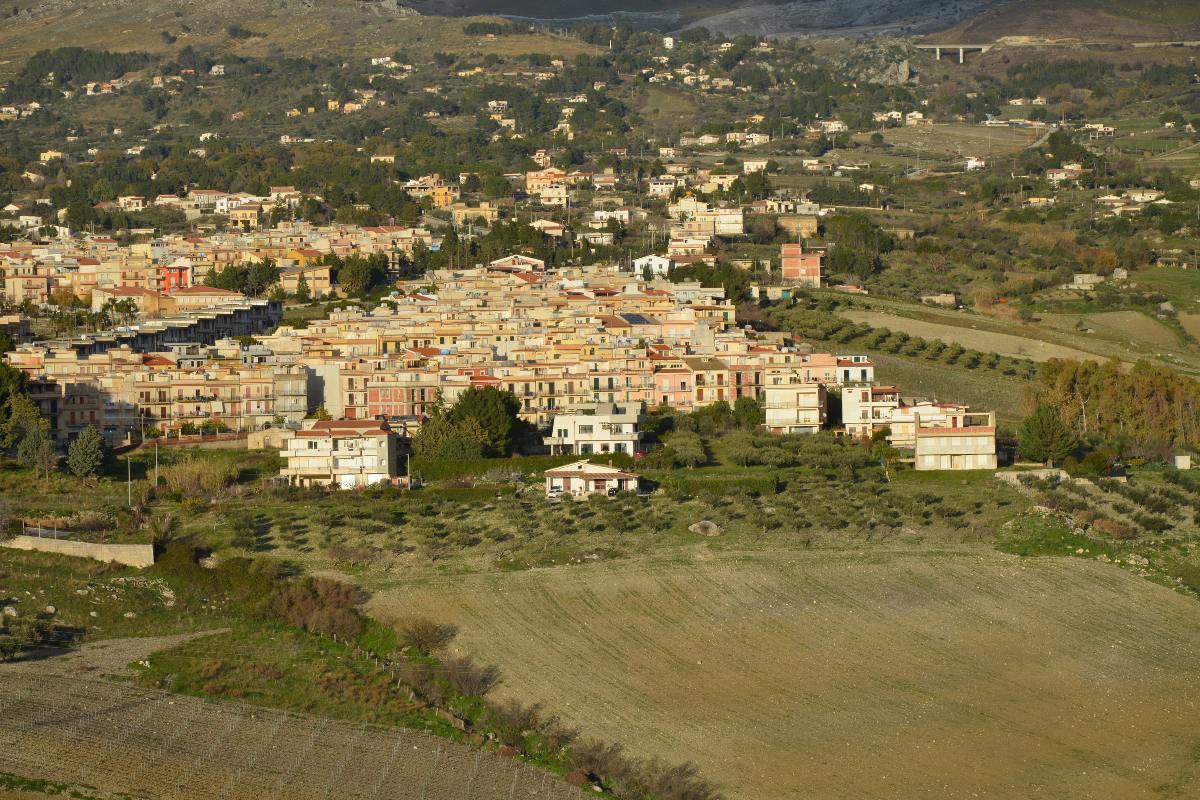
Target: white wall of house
[599,429]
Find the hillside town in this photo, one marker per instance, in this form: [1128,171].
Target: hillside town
[583,349]
[530,399]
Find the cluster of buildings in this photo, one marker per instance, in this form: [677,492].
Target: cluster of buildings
[583,350]
[164,274]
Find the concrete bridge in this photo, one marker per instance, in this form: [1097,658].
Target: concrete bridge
[962,49]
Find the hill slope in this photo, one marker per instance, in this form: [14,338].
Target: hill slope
[1081,20]
[959,673]
[339,28]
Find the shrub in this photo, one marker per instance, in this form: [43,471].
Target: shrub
[320,605]
[195,477]
[468,678]
[424,635]
[1152,523]
[514,721]
[1117,530]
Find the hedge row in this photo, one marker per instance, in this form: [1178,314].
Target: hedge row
[447,469]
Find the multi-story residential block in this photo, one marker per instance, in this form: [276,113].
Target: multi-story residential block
[969,442]
[867,409]
[903,423]
[802,268]
[596,429]
[341,454]
[791,404]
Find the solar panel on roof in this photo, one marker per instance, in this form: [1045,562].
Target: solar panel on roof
[637,319]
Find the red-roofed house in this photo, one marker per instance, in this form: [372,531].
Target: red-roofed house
[584,478]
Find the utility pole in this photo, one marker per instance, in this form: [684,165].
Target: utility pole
[128,482]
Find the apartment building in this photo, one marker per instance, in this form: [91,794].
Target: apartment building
[968,442]
[792,404]
[341,454]
[867,409]
[802,268]
[903,423]
[596,429]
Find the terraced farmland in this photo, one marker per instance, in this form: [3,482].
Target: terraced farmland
[88,731]
[940,673]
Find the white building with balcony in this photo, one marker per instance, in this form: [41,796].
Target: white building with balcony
[599,428]
[342,454]
[792,404]
[968,442]
[867,409]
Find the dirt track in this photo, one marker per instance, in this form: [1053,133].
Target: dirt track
[819,675]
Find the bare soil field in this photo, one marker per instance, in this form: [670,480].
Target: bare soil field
[954,673]
[1191,324]
[60,721]
[1006,344]
[1134,330]
[1079,20]
[957,141]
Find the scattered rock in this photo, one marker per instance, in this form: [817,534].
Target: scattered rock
[209,562]
[129,614]
[50,610]
[9,611]
[93,614]
[706,527]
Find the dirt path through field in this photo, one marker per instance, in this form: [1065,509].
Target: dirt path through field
[846,675]
[106,657]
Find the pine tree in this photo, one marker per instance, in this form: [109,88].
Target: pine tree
[302,293]
[1044,437]
[494,411]
[86,454]
[20,419]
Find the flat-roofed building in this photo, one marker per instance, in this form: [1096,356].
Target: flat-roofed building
[596,428]
[968,442]
[792,404]
[342,454]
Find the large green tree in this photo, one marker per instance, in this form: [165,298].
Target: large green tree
[85,456]
[686,449]
[12,384]
[495,413]
[22,418]
[1044,437]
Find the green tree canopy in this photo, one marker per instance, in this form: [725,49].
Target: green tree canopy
[1044,437]
[686,448]
[495,414]
[86,454]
